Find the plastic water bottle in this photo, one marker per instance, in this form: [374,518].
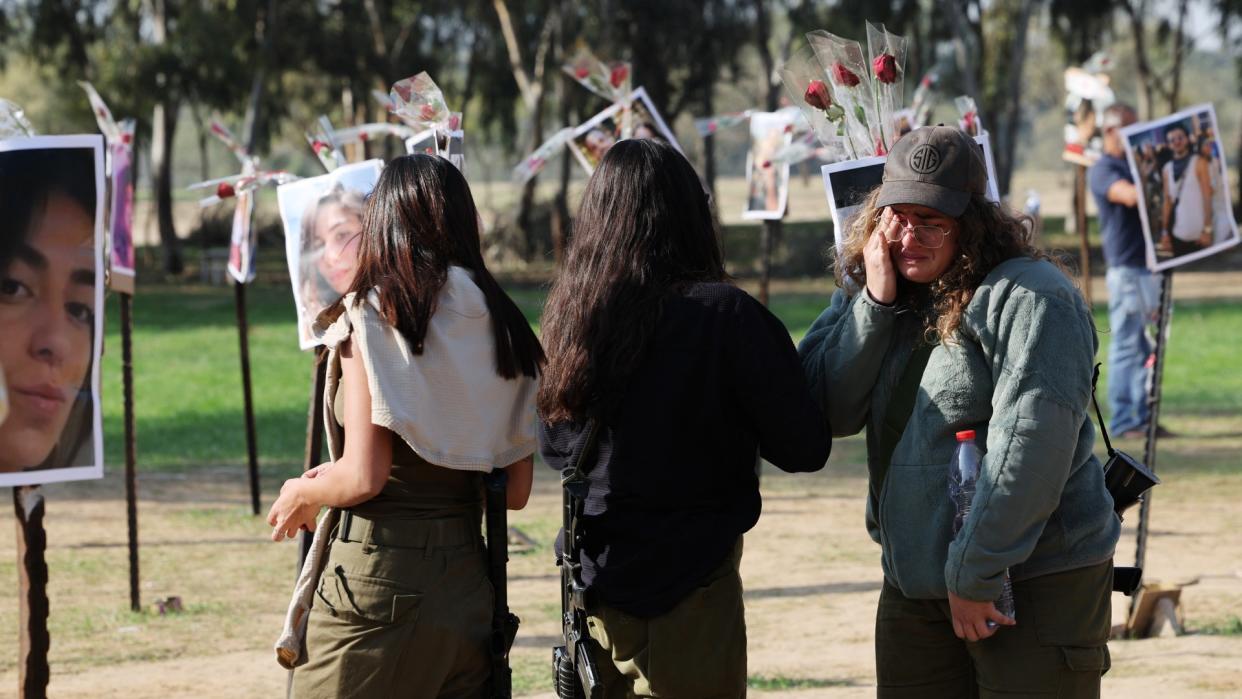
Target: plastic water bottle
[963,475]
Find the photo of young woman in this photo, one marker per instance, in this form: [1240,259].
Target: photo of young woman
[51,290]
[323,220]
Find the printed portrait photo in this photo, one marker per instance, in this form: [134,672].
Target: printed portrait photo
[322,218]
[767,182]
[1179,163]
[51,308]
[594,137]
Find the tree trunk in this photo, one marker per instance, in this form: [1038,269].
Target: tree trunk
[1142,63]
[562,225]
[263,31]
[163,125]
[1010,113]
[1179,46]
[966,46]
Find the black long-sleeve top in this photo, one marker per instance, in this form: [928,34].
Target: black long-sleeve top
[675,483]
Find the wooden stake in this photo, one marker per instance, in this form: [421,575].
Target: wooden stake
[767,237]
[33,641]
[131,479]
[243,332]
[1080,223]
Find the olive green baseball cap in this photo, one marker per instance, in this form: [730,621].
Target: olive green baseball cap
[934,166]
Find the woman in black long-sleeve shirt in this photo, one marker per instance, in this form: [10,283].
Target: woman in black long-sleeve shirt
[689,378]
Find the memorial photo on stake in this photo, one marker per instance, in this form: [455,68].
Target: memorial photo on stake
[848,183]
[767,180]
[322,218]
[51,308]
[1179,164]
[593,138]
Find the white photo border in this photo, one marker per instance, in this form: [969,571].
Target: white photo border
[95,142]
[1149,233]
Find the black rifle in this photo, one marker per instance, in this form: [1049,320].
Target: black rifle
[573,669]
[504,622]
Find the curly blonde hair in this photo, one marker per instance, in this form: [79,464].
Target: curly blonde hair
[988,234]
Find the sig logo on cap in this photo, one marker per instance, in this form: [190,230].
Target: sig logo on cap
[924,159]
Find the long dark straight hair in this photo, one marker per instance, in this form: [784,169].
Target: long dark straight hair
[644,230]
[420,219]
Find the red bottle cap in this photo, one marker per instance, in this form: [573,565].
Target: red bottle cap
[966,436]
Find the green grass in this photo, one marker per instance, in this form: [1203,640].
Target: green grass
[779,683]
[188,397]
[1230,626]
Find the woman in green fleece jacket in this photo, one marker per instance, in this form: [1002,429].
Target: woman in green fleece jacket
[941,279]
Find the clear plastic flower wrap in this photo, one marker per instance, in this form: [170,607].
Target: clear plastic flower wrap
[707,126]
[888,72]
[323,143]
[371,132]
[532,164]
[848,70]
[608,80]
[13,122]
[924,99]
[806,84]
[968,115]
[418,101]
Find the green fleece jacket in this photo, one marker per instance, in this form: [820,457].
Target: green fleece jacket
[1019,374]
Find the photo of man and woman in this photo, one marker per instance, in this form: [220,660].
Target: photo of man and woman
[1183,190]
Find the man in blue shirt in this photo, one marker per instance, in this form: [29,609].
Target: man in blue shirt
[1133,292]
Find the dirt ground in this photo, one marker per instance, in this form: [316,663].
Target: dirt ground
[811,576]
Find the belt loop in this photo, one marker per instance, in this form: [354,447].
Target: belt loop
[368,537]
[347,518]
[433,537]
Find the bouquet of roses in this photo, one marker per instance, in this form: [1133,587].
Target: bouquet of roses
[806,84]
[848,70]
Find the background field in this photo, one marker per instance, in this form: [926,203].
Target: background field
[811,574]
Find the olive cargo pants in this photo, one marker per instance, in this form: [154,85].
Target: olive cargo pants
[697,650]
[403,609]
[1057,649]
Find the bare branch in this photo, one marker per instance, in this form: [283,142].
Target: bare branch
[515,54]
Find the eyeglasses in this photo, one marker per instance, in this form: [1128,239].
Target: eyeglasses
[930,237]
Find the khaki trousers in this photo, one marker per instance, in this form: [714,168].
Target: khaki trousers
[1059,648]
[695,651]
[395,620]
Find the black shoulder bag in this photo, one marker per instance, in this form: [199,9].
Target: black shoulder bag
[1126,479]
[573,670]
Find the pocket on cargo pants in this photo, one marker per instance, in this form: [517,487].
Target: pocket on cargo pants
[357,626]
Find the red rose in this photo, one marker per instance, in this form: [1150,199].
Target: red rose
[362,136]
[885,68]
[126,138]
[427,112]
[318,147]
[879,147]
[618,75]
[843,76]
[581,72]
[817,94]
[454,122]
[224,190]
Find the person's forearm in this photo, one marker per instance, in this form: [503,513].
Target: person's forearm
[342,485]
